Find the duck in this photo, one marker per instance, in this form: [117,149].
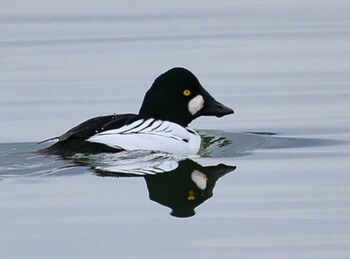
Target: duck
[195,182]
[173,101]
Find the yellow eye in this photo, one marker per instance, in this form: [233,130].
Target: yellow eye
[186,92]
[191,196]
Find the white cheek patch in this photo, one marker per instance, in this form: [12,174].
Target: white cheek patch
[199,179]
[196,104]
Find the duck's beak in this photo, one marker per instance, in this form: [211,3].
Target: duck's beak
[215,108]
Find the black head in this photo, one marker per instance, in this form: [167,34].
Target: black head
[178,96]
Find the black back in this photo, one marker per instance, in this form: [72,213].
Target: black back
[98,124]
[73,141]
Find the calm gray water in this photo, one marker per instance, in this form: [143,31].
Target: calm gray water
[278,183]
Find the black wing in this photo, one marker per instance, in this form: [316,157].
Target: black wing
[98,124]
[73,141]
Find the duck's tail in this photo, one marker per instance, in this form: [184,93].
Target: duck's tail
[46,140]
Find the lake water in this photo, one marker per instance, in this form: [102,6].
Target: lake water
[277,182]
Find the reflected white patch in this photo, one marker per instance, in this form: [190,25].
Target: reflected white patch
[199,179]
[196,104]
[141,167]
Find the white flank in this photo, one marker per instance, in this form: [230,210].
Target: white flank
[141,168]
[196,104]
[151,134]
[199,179]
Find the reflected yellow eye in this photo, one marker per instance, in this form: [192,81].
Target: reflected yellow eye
[191,196]
[186,92]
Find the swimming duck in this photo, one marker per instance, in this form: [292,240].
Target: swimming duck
[175,99]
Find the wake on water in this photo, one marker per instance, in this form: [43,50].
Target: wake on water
[22,159]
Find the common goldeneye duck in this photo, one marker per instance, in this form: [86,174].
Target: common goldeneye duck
[173,101]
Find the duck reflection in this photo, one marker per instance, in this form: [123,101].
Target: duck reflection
[182,188]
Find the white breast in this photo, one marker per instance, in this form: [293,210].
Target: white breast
[151,134]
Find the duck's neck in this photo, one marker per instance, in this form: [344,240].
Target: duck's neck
[183,121]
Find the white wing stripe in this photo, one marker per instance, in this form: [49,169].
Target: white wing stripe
[144,125]
[125,129]
[156,124]
[132,126]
